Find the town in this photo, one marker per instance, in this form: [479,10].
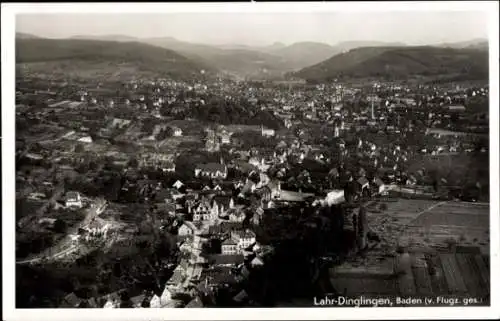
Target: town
[229,193]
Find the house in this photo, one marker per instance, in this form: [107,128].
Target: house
[176,131]
[138,301]
[221,204]
[267,132]
[236,215]
[203,212]
[186,229]
[195,303]
[217,276]
[161,301]
[71,301]
[73,199]
[363,183]
[229,247]
[381,188]
[85,139]
[168,167]
[335,197]
[178,184]
[211,170]
[225,137]
[249,187]
[175,194]
[113,300]
[275,188]
[243,238]
[178,276]
[256,262]
[241,297]
[223,229]
[257,217]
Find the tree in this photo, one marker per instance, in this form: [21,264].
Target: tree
[60,226]
[79,148]
[163,134]
[133,162]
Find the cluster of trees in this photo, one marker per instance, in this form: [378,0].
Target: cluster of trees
[255,139]
[34,241]
[221,111]
[299,236]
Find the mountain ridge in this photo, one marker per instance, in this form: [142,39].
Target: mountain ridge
[273,60]
[143,56]
[394,62]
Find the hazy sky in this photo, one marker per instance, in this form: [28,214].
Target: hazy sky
[266,28]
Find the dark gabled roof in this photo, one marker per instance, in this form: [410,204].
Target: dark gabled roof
[224,227]
[92,303]
[333,171]
[176,278]
[221,259]
[241,296]
[362,180]
[228,242]
[71,300]
[218,275]
[247,187]
[222,200]
[257,261]
[195,303]
[72,195]
[212,167]
[244,234]
[378,182]
[236,212]
[138,300]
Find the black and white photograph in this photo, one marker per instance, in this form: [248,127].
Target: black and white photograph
[257,156]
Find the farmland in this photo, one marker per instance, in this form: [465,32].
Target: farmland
[448,246]
[427,223]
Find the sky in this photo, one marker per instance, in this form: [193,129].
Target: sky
[266,28]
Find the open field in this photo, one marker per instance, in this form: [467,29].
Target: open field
[444,132]
[424,223]
[462,275]
[84,70]
[465,223]
[427,229]
[242,128]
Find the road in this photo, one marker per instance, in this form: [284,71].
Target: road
[66,246]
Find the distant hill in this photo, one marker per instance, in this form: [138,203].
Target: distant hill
[233,58]
[348,45]
[119,38]
[298,55]
[88,52]
[303,54]
[479,43]
[401,63]
[22,35]
[263,62]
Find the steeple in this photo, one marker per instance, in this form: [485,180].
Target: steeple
[373,111]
